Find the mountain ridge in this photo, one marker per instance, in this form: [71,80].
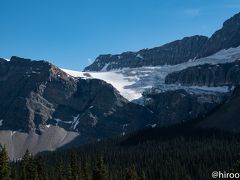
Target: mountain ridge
[174,52]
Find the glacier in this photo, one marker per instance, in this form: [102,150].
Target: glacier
[132,82]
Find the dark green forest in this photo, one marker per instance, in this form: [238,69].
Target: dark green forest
[178,152]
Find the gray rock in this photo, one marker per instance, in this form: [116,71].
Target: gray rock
[207,75]
[226,117]
[172,53]
[174,107]
[18,142]
[228,36]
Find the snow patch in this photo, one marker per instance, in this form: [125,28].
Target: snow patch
[6,59]
[1,122]
[153,125]
[13,132]
[59,120]
[105,67]
[139,56]
[75,122]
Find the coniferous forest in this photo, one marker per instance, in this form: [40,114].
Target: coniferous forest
[178,152]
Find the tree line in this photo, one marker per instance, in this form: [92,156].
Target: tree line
[33,168]
[158,153]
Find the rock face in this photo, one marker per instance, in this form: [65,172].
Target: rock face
[36,95]
[175,52]
[228,36]
[207,75]
[227,116]
[1,60]
[22,85]
[172,53]
[173,107]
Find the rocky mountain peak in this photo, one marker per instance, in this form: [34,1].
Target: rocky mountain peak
[174,52]
[233,21]
[23,83]
[228,36]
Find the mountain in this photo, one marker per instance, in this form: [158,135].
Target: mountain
[227,74]
[228,36]
[172,53]
[179,81]
[175,52]
[178,106]
[226,117]
[37,100]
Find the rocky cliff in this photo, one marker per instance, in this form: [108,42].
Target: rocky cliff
[173,107]
[172,53]
[228,36]
[227,116]
[227,74]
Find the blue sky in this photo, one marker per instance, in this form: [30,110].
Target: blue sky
[72,33]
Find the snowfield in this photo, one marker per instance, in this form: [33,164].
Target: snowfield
[115,78]
[132,82]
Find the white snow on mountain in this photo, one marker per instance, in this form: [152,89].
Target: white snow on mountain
[117,79]
[75,122]
[61,121]
[132,82]
[139,56]
[105,67]
[48,125]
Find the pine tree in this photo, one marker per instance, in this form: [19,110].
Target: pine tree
[28,168]
[40,168]
[131,174]
[188,177]
[4,165]
[74,169]
[143,176]
[100,172]
[59,170]
[69,172]
[236,167]
[23,165]
[85,175]
[14,173]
